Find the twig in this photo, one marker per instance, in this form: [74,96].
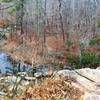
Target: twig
[7,7]
[85,77]
[16,85]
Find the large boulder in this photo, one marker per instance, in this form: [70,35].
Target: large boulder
[86,79]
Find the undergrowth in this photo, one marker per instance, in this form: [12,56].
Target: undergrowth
[52,90]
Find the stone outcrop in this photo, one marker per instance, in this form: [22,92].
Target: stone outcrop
[87,80]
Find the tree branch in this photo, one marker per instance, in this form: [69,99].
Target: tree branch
[7,7]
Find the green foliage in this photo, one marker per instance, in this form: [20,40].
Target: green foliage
[19,6]
[95,41]
[88,59]
[59,98]
[73,60]
[7,1]
[12,10]
[68,43]
[18,3]
[98,25]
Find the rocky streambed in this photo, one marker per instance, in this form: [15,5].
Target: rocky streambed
[16,75]
[11,83]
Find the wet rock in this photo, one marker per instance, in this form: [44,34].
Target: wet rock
[38,74]
[22,74]
[42,70]
[22,67]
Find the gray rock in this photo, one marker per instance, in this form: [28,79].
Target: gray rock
[38,74]
[3,94]
[68,73]
[30,78]
[98,68]
[41,70]
[91,89]
[91,96]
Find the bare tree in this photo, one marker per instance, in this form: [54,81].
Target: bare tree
[61,19]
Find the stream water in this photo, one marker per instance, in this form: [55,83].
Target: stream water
[6,66]
[4,63]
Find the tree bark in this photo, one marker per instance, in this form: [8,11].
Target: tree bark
[61,21]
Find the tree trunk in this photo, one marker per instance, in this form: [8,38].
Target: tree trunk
[61,21]
[22,14]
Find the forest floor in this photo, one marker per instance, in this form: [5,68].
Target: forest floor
[33,49]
